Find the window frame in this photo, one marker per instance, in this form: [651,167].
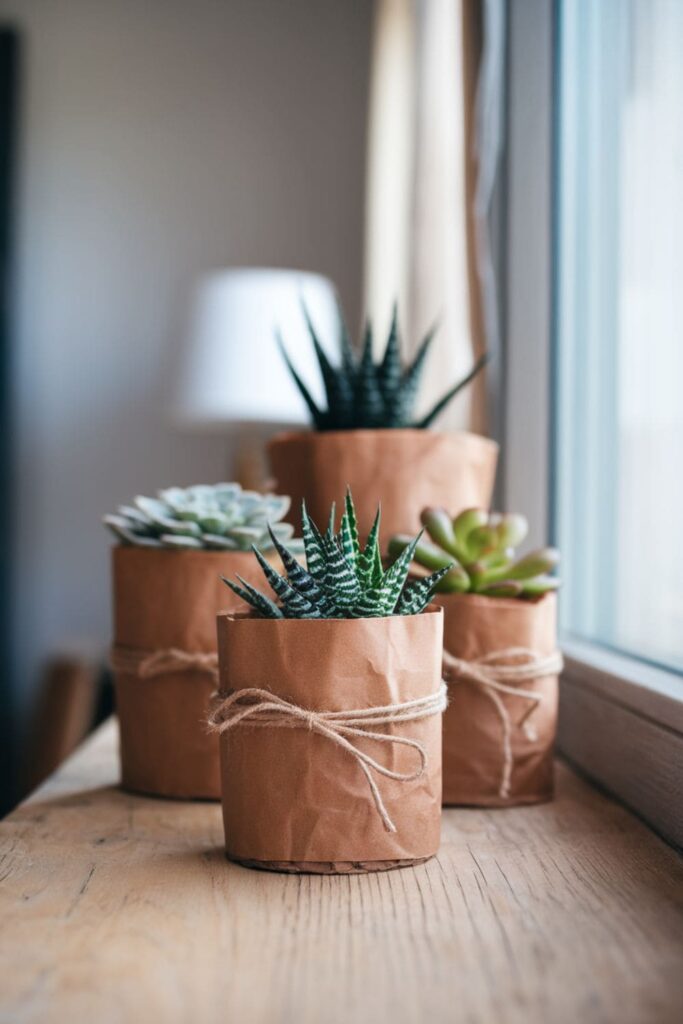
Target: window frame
[621,718]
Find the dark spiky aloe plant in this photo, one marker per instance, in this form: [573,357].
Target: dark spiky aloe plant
[342,580]
[363,394]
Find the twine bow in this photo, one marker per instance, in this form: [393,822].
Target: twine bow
[259,708]
[498,673]
[147,664]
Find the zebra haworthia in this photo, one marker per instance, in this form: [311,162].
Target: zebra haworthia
[342,580]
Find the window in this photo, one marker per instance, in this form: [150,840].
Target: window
[618,466]
[594,370]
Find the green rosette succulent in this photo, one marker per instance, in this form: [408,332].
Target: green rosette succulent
[479,549]
[219,517]
[342,580]
[364,394]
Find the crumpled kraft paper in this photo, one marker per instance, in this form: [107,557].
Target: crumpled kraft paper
[475,625]
[165,599]
[292,799]
[404,470]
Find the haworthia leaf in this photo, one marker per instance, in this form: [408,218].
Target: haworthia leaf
[293,603]
[303,581]
[258,601]
[313,546]
[350,510]
[417,594]
[368,559]
[340,579]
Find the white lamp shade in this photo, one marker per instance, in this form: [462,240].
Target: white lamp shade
[232,370]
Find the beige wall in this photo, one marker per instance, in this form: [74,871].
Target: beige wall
[159,139]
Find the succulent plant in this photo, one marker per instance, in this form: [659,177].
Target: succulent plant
[342,580]
[363,394]
[221,517]
[479,547]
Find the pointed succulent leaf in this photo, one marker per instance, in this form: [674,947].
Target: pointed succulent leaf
[332,521]
[438,408]
[313,546]
[258,601]
[338,388]
[303,581]
[416,595]
[340,579]
[317,415]
[350,510]
[368,404]
[294,604]
[371,554]
[413,372]
[395,577]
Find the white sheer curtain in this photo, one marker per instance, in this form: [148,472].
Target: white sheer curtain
[433,152]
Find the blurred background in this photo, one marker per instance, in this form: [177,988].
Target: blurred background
[510,168]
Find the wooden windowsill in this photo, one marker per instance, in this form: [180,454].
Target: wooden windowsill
[115,908]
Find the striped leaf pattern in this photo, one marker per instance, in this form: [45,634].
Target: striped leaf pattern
[364,394]
[341,581]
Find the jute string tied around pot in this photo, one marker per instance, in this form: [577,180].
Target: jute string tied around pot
[501,672]
[255,707]
[146,664]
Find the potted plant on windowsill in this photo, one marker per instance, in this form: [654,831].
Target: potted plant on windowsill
[166,593]
[367,437]
[329,710]
[500,656]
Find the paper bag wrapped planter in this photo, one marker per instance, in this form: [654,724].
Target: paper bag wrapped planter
[329,710]
[367,438]
[501,665]
[305,785]
[403,470]
[167,592]
[501,661]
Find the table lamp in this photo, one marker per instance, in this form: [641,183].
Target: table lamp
[231,370]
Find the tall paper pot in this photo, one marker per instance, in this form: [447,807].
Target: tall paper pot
[404,470]
[473,752]
[169,599]
[294,800]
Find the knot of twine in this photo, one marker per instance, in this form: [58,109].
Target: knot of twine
[497,673]
[259,708]
[146,664]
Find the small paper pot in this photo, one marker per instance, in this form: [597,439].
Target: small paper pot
[473,730]
[404,470]
[296,801]
[169,599]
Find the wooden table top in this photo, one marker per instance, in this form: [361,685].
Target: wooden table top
[115,908]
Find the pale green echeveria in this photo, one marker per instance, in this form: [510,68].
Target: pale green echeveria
[220,517]
[479,547]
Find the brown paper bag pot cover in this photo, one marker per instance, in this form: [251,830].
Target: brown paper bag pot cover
[404,470]
[475,625]
[169,599]
[292,799]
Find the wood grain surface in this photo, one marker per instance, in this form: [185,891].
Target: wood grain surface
[116,908]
